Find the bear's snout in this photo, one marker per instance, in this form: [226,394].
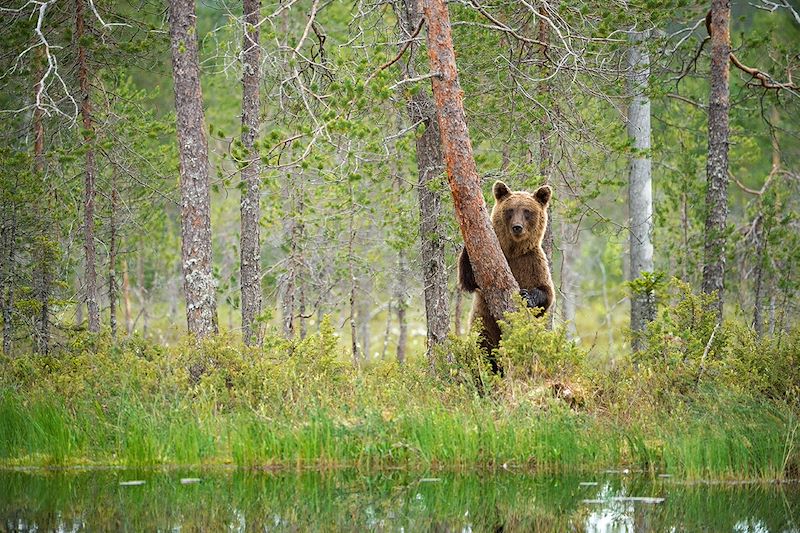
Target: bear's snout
[516,229]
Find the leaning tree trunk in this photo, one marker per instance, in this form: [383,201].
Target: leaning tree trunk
[717,165]
[91,171]
[250,210]
[492,273]
[198,282]
[430,165]
[640,185]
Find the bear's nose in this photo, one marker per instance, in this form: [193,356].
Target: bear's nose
[517,229]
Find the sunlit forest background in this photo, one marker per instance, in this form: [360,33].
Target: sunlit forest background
[339,213]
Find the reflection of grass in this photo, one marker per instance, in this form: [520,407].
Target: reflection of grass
[352,501]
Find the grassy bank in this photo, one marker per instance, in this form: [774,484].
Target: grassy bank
[692,407]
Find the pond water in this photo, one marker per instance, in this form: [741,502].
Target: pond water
[235,500]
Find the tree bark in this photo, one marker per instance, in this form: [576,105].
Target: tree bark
[250,203]
[717,165]
[42,273]
[126,297]
[570,279]
[91,171]
[640,185]
[8,240]
[492,273]
[546,154]
[198,283]
[112,257]
[761,237]
[401,305]
[430,165]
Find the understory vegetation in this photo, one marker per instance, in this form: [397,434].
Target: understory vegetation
[699,401]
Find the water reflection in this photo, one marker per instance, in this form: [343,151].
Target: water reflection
[396,501]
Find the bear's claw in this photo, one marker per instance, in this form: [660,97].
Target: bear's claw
[534,297]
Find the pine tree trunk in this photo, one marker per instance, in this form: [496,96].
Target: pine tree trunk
[430,165]
[89,191]
[717,165]
[761,248]
[43,270]
[640,186]
[250,208]
[112,258]
[126,297]
[401,305]
[353,282]
[492,273]
[8,240]
[198,283]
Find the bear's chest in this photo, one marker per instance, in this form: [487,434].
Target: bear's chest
[528,269]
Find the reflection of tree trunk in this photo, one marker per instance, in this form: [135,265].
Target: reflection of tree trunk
[90,185]
[640,188]
[198,282]
[717,165]
[250,253]
[430,165]
[126,297]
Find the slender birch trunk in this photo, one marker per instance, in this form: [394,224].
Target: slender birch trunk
[198,282]
[640,185]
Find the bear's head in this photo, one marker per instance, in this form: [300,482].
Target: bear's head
[519,217]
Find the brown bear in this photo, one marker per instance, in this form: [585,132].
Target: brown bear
[519,219]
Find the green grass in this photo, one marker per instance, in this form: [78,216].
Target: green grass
[302,405]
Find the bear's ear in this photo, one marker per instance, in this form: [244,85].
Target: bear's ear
[543,194]
[500,190]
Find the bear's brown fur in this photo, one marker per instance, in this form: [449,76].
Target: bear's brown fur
[519,219]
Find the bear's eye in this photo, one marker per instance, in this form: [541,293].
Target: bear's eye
[508,213]
[528,214]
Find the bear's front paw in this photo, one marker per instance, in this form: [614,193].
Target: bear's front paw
[534,297]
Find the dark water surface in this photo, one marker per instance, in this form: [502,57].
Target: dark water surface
[230,500]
